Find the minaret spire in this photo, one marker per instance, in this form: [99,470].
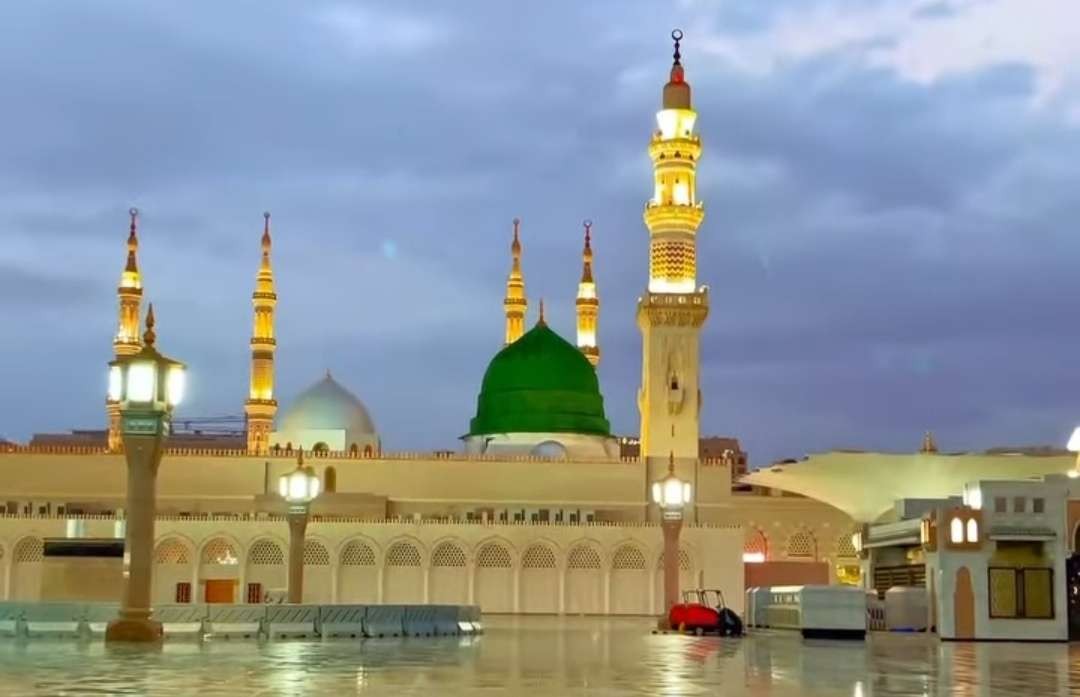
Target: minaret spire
[126,342]
[261,406]
[588,304]
[673,309]
[515,304]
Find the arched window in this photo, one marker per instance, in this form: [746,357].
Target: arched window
[448,554]
[354,449]
[583,557]
[755,547]
[315,553]
[845,547]
[266,553]
[538,557]
[956,531]
[368,450]
[357,553]
[628,557]
[403,554]
[972,530]
[802,545]
[493,555]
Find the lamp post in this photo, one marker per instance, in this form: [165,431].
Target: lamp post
[147,386]
[671,494]
[299,488]
[1074,446]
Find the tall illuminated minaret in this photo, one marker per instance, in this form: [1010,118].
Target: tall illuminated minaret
[261,406]
[515,303]
[673,309]
[127,341]
[588,304]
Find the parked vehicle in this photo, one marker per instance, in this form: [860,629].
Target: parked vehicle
[703,611]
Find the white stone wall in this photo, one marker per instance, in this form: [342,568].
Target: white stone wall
[518,568]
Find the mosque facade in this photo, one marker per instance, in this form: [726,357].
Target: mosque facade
[538,512]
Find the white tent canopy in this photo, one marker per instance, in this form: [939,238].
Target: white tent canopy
[866,485]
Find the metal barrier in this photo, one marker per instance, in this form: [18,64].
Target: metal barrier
[342,621]
[198,621]
[291,621]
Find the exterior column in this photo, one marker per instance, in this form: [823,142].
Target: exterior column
[562,591]
[427,584]
[298,520]
[517,589]
[470,574]
[671,529]
[607,591]
[143,454]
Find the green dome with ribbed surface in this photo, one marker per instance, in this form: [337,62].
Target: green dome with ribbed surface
[541,383]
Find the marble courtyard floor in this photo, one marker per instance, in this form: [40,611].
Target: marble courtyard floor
[547,656]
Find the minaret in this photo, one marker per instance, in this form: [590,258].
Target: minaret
[588,304]
[127,341]
[261,406]
[515,303]
[673,308]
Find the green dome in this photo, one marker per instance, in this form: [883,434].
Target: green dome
[541,383]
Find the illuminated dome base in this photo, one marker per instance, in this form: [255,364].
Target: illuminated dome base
[554,446]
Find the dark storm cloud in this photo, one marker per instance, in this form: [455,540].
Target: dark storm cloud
[885,255]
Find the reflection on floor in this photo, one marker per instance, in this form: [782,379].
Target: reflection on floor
[550,656]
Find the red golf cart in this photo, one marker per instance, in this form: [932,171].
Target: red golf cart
[703,611]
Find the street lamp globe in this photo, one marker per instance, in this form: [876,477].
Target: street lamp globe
[147,381]
[670,493]
[300,486]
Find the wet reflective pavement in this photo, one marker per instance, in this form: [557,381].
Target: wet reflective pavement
[546,656]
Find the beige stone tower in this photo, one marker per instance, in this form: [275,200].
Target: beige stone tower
[515,303]
[588,303]
[261,406]
[672,310]
[127,341]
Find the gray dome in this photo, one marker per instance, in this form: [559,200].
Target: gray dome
[327,405]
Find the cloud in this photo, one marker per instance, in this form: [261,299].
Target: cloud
[889,187]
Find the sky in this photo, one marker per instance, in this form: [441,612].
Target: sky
[892,193]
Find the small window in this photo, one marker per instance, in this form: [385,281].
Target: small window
[972,530]
[1001,504]
[1038,505]
[956,531]
[1019,504]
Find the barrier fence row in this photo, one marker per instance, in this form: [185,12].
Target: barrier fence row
[198,621]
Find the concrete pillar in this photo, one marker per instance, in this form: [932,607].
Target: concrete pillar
[426,572]
[143,453]
[561,573]
[298,520]
[671,529]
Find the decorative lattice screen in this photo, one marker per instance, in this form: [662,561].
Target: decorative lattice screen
[315,553]
[628,557]
[684,561]
[219,551]
[29,550]
[358,554]
[403,554]
[801,545]
[171,552]
[755,542]
[845,547]
[538,557]
[448,554]
[493,556]
[266,553]
[583,558]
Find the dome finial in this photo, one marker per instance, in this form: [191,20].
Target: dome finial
[149,337]
[676,36]
[133,241]
[541,321]
[677,91]
[266,232]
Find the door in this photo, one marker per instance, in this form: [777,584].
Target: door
[220,590]
[963,606]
